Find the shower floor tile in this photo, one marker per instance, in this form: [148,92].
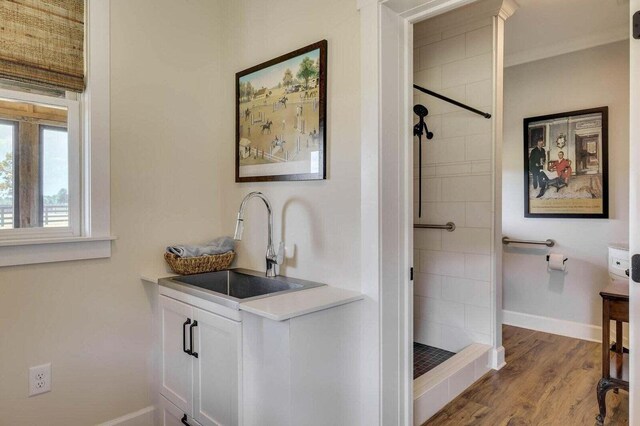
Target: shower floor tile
[426,358]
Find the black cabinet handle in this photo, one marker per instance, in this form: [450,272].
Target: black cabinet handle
[191,351]
[184,337]
[184,420]
[635,268]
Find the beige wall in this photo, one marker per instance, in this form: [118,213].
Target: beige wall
[92,319]
[173,69]
[585,79]
[319,221]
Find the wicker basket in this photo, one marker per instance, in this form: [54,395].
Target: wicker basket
[199,264]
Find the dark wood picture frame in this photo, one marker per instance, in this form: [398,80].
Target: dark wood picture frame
[603,159]
[321,108]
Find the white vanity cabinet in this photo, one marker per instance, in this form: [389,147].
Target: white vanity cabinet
[285,360]
[200,365]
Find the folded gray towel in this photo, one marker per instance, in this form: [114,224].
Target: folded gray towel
[217,246]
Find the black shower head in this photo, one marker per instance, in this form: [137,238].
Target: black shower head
[420,110]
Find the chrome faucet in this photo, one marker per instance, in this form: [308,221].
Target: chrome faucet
[272,258]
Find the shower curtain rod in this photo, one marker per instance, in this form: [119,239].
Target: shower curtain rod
[452,101]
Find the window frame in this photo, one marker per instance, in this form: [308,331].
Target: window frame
[92,238]
[16,182]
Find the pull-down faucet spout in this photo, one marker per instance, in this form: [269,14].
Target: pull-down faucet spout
[272,259]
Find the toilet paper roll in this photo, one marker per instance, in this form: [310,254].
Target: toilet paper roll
[556,262]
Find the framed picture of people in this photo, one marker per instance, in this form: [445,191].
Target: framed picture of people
[565,160]
[281,117]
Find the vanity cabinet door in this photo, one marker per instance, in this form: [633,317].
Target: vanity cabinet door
[177,365]
[170,415]
[217,370]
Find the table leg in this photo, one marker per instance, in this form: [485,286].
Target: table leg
[604,385]
[619,337]
[606,340]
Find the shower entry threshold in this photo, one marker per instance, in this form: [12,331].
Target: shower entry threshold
[435,389]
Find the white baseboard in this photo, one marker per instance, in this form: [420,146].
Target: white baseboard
[578,330]
[143,417]
[496,358]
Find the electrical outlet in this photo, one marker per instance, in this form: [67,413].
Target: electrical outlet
[39,379]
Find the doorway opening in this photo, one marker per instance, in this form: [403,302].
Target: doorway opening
[456,204]
[461,177]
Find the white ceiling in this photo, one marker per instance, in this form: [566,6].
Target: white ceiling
[559,26]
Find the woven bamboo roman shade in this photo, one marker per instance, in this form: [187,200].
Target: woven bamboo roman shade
[42,42]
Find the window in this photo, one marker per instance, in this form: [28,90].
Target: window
[39,166]
[54,150]
[54,182]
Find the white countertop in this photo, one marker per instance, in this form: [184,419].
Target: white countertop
[289,305]
[294,304]
[619,246]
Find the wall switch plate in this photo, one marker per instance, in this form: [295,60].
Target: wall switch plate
[636,25]
[39,379]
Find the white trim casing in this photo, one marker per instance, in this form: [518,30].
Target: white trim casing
[74,249]
[97,110]
[506,9]
[91,237]
[386,385]
[496,358]
[370,386]
[634,216]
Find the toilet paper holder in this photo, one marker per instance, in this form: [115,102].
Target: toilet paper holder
[565,259]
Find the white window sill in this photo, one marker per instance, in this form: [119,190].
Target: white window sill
[46,250]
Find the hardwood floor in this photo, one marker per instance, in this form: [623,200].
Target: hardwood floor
[548,380]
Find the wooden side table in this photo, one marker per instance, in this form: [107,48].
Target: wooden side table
[615,362]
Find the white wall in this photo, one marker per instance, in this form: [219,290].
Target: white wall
[319,221]
[585,79]
[92,319]
[453,289]
[172,128]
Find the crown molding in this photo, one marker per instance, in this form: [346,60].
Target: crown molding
[568,46]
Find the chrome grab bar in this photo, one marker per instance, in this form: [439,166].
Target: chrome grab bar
[450,226]
[548,243]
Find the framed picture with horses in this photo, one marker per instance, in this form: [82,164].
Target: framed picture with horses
[565,161]
[281,109]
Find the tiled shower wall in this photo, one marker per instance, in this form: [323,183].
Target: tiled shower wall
[452,287]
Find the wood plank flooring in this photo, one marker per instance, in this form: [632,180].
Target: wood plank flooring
[548,380]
